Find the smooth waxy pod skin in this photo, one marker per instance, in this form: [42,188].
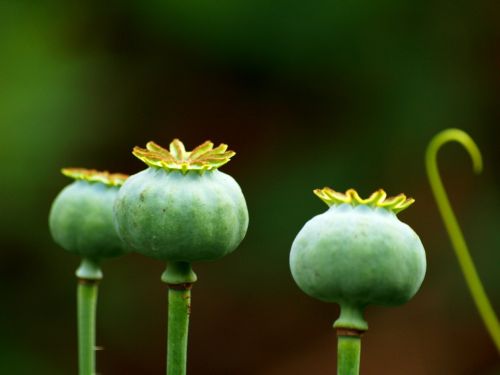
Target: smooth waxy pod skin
[184,211]
[358,253]
[81,217]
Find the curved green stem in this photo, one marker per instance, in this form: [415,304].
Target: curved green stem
[88,275]
[179,277]
[457,239]
[348,355]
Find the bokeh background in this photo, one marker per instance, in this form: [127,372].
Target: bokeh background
[309,94]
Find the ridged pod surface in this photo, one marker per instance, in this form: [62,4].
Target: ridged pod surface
[81,216]
[179,214]
[358,253]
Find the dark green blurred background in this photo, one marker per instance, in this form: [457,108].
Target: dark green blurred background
[344,94]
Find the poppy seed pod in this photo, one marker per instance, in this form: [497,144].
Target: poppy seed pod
[358,253]
[81,221]
[81,217]
[182,208]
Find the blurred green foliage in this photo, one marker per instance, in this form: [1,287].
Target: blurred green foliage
[309,95]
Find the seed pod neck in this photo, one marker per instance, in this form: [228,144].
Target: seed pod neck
[89,270]
[179,274]
[351,319]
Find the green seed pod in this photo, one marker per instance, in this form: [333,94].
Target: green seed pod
[181,208]
[81,217]
[358,253]
[81,221]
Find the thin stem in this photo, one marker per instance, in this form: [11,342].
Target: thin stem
[179,301]
[457,239]
[89,275]
[179,277]
[87,303]
[348,355]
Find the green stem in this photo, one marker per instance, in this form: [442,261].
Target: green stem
[348,355]
[349,326]
[179,277]
[178,325]
[88,275]
[457,239]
